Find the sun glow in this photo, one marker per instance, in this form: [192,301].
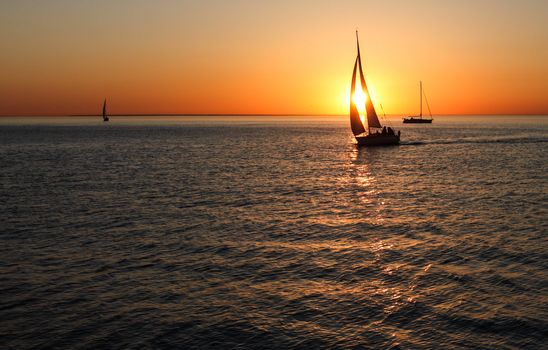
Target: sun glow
[359,98]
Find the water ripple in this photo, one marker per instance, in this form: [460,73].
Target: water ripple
[207,236]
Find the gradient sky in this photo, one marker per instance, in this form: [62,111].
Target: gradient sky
[474,57]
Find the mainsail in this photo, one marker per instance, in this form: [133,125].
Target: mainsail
[372,119]
[355,121]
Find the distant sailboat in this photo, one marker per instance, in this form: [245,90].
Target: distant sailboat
[418,119]
[105,116]
[381,136]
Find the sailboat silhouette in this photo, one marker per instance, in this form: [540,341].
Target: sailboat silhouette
[381,136]
[105,116]
[418,119]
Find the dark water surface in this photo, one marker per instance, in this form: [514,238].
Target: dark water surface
[265,233]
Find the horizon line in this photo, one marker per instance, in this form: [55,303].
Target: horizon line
[251,115]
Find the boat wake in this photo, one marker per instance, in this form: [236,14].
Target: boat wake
[497,140]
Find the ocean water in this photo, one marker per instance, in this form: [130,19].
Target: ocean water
[265,232]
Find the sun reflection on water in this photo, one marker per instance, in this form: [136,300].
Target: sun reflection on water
[364,182]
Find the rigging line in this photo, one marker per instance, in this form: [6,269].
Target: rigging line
[383,113]
[385,120]
[427,105]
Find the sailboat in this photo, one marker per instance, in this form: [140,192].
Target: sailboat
[365,137]
[418,119]
[105,116]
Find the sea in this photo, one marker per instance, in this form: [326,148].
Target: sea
[269,232]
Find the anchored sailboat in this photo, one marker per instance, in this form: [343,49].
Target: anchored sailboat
[382,136]
[105,116]
[418,119]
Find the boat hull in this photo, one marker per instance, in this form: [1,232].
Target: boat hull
[377,140]
[416,121]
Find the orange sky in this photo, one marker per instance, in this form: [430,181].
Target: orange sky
[474,57]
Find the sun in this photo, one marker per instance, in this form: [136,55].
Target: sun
[359,98]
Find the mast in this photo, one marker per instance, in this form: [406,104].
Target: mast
[358,42]
[421,97]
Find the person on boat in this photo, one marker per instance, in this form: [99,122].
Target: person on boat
[384,130]
[390,131]
[399,133]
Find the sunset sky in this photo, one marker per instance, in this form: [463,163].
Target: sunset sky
[279,57]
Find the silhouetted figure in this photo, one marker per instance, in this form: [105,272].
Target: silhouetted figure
[390,131]
[399,133]
[384,130]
